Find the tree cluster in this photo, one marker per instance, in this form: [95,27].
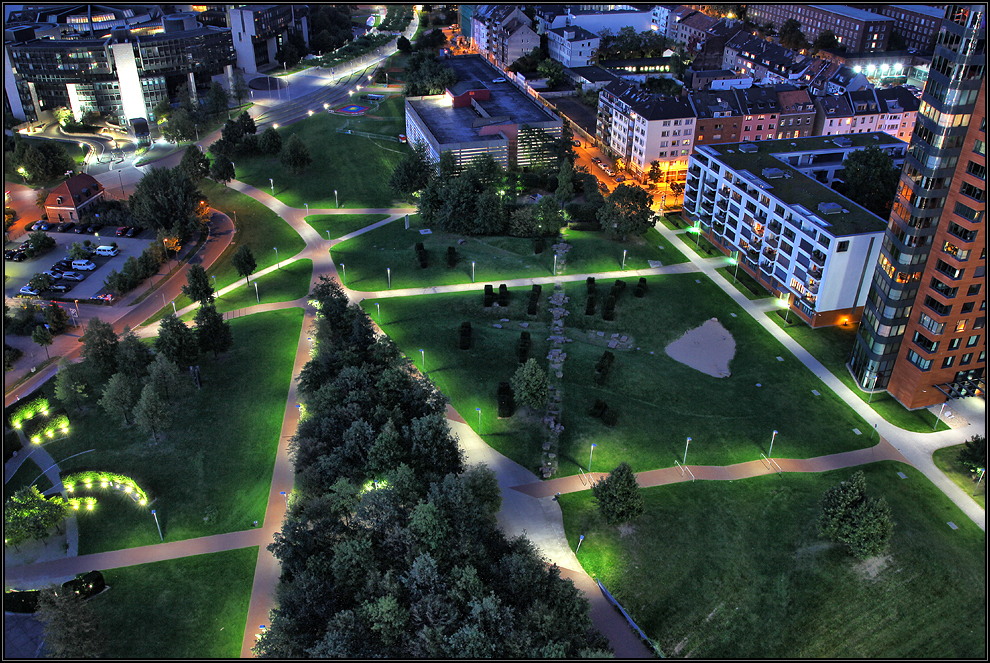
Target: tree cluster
[136,270]
[629,44]
[870,179]
[618,496]
[973,455]
[529,62]
[292,50]
[238,137]
[626,212]
[43,161]
[28,515]
[791,35]
[426,75]
[849,516]
[72,629]
[330,28]
[390,549]
[431,41]
[167,200]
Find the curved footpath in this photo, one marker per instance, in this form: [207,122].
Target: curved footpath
[529,508]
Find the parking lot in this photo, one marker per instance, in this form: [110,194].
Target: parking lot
[19,273]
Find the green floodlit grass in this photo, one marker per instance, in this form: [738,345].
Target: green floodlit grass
[945,460]
[667,222]
[23,477]
[193,607]
[831,346]
[392,247]
[358,168]
[660,401]
[342,224]
[719,569]
[215,461]
[700,245]
[257,226]
[745,283]
[282,285]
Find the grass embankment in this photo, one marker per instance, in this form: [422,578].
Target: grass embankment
[193,607]
[945,460]
[744,283]
[831,346]
[356,167]
[209,472]
[339,225]
[660,401]
[281,285]
[718,569]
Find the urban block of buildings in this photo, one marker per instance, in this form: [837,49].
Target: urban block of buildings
[856,29]
[770,204]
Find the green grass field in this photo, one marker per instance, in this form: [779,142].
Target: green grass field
[660,401]
[719,569]
[591,252]
[193,607]
[211,471]
[342,224]
[831,346]
[945,460]
[282,285]
[743,282]
[358,168]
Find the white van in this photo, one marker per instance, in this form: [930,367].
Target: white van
[85,265]
[106,251]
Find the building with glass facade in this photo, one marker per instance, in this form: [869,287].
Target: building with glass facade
[922,336]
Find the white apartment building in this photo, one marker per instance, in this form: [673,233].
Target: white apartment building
[572,46]
[762,203]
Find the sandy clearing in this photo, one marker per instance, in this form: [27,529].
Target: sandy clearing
[708,348]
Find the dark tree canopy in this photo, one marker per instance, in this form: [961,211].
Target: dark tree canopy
[166,199]
[176,342]
[618,496]
[869,178]
[849,516]
[974,453]
[198,286]
[72,629]
[791,35]
[627,211]
[194,164]
[244,262]
[212,331]
[99,347]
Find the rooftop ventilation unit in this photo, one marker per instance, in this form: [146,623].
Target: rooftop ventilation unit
[773,173]
[748,148]
[829,208]
[842,141]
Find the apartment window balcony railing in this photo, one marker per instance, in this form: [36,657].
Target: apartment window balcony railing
[813,287]
[818,257]
[736,198]
[747,220]
[694,170]
[722,204]
[774,226]
[766,266]
[709,195]
[815,272]
[718,227]
[708,207]
[769,253]
[771,240]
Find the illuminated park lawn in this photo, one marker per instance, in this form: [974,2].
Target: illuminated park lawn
[719,569]
[660,401]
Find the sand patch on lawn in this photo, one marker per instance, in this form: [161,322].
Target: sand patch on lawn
[708,348]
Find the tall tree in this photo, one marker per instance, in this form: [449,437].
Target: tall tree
[29,515]
[43,337]
[222,170]
[246,122]
[238,88]
[197,287]
[100,347]
[412,173]
[166,199]
[626,212]
[176,342]
[133,354]
[825,39]
[152,414]
[295,155]
[791,35]
[551,70]
[618,496]
[71,627]
[271,141]
[565,183]
[181,127]
[70,387]
[870,179]
[217,99]
[244,262]
[974,453]
[212,331]
[490,215]
[194,164]
[164,376]
[849,516]
[530,385]
[119,396]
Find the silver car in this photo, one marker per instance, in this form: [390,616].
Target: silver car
[73,276]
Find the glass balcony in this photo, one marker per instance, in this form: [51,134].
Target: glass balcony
[818,257]
[774,226]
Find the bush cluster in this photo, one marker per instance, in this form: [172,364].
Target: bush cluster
[539,245]
[503,295]
[506,400]
[465,342]
[601,410]
[451,256]
[603,366]
[589,308]
[608,311]
[422,255]
[640,290]
[524,345]
[135,270]
[489,295]
[534,298]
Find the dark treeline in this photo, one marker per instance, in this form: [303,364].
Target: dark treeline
[390,548]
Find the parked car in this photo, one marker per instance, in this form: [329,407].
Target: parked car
[9,254]
[402,138]
[61,287]
[19,256]
[37,224]
[65,227]
[500,79]
[73,276]
[576,143]
[596,160]
[93,229]
[620,178]
[132,231]
[63,265]
[28,290]
[45,225]
[83,265]
[121,231]
[54,275]
[24,245]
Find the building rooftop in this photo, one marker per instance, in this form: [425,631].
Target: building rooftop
[594,74]
[933,12]
[74,191]
[851,12]
[897,100]
[709,102]
[650,106]
[576,31]
[794,188]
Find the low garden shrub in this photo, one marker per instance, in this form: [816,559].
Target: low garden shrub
[503,295]
[506,400]
[465,342]
[489,295]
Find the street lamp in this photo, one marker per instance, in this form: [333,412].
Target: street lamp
[735,273]
[479,419]
[772,438]
[277,264]
[580,541]
[215,285]
[423,353]
[328,236]
[283,494]
[388,273]
[555,265]
[173,308]
[379,307]
[873,388]
[157,525]
[197,133]
[590,456]
[472,271]
[343,269]
[939,417]
[335,201]
[683,462]
[307,208]
[272,182]
[624,258]
[256,292]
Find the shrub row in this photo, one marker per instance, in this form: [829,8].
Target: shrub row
[524,345]
[640,290]
[600,410]
[465,336]
[506,400]
[603,366]
[489,295]
[135,270]
[539,245]
[534,298]
[503,295]
[451,256]
[589,308]
[422,256]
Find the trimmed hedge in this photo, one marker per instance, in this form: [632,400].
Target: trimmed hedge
[524,346]
[610,418]
[603,366]
[422,255]
[590,283]
[539,245]
[640,290]
[451,256]
[608,312]
[598,408]
[465,342]
[503,295]
[589,308]
[489,295]
[506,400]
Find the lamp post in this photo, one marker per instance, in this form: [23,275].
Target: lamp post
[256,292]
[772,438]
[215,286]
[173,308]
[591,455]
[343,269]
[479,419]
[278,265]
[121,180]
[336,202]
[624,258]
[272,182]
[580,541]
[685,451]
[555,264]
[472,271]
[379,307]
[307,208]
[388,274]
[982,472]
[157,525]
[328,236]
[423,353]
[283,494]
[197,133]
[875,376]
[735,273]
[939,417]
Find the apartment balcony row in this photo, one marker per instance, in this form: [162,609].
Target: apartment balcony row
[774,226]
[818,257]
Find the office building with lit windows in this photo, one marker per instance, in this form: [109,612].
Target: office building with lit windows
[923,333]
[856,29]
